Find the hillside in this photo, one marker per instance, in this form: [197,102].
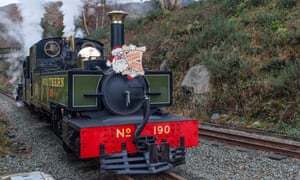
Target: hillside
[251,48]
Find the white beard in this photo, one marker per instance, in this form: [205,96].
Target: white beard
[119,65]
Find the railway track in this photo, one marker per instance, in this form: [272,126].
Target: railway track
[93,164]
[171,176]
[166,175]
[6,93]
[278,145]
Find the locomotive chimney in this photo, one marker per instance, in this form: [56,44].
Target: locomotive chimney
[117,27]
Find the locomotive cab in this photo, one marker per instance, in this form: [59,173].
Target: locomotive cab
[87,57]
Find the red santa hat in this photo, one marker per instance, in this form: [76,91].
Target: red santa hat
[115,50]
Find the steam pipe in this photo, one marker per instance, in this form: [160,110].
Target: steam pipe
[147,113]
[117,27]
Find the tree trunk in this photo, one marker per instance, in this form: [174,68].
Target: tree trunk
[85,24]
[103,13]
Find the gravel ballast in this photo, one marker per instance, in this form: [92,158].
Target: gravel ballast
[40,150]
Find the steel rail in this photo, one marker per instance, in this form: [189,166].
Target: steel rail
[261,143]
[171,175]
[165,175]
[6,93]
[123,177]
[247,130]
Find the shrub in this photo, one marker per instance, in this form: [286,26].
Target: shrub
[287,128]
[265,19]
[258,2]
[286,3]
[98,34]
[217,32]
[227,6]
[4,140]
[283,35]
[239,8]
[153,15]
[226,70]
[287,82]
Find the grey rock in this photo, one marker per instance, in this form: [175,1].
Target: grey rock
[215,117]
[196,83]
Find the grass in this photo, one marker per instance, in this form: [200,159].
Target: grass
[5,141]
[6,145]
[4,78]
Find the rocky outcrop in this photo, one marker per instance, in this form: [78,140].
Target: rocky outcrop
[196,83]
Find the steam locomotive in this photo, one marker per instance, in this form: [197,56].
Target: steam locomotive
[107,109]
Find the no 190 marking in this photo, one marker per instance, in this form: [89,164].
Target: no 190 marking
[157,130]
[166,129]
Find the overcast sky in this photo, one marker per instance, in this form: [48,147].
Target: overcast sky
[5,2]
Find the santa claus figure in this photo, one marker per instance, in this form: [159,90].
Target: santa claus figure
[117,60]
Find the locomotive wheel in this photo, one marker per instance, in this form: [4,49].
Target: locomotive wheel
[66,148]
[122,96]
[56,122]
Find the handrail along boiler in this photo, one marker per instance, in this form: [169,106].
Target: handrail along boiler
[107,109]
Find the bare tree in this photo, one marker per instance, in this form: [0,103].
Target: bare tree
[170,4]
[94,15]
[86,29]
[103,13]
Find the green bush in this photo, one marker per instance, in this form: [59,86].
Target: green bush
[265,19]
[283,35]
[98,34]
[240,8]
[287,82]
[227,7]
[287,128]
[258,2]
[226,70]
[217,32]
[153,15]
[5,142]
[286,3]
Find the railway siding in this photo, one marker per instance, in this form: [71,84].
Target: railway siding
[281,145]
[254,134]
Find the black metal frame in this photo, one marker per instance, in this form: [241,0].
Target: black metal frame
[169,73]
[149,159]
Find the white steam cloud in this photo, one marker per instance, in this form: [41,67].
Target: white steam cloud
[26,33]
[31,11]
[71,10]
[10,33]
[10,28]
[29,31]
[32,31]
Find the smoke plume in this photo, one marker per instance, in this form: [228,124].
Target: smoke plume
[71,10]
[10,32]
[31,29]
